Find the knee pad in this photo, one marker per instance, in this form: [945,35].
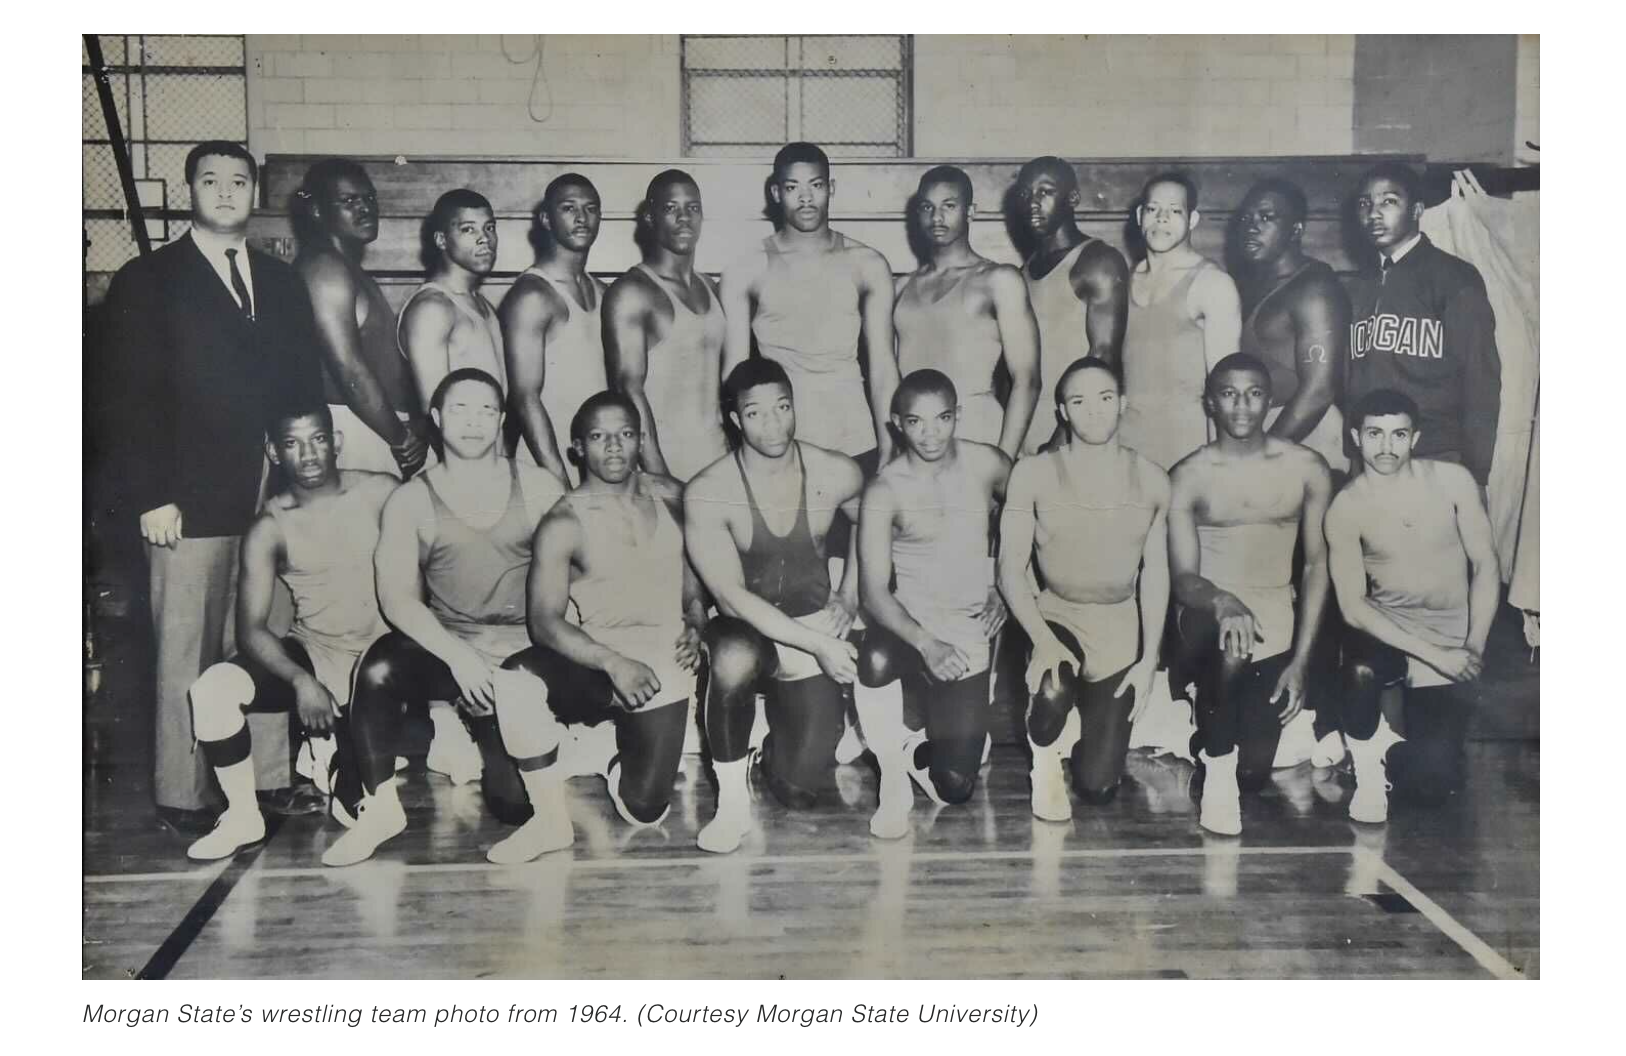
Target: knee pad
[527,726]
[1096,797]
[218,698]
[954,786]
[878,664]
[734,663]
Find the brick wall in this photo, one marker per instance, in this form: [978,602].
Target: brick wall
[1133,96]
[600,96]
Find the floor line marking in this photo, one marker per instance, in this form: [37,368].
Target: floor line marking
[778,859]
[1471,944]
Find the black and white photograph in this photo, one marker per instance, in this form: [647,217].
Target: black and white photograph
[811,508]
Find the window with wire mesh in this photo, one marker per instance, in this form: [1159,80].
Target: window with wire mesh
[750,95]
[169,93]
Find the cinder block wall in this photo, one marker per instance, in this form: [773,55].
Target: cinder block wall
[974,96]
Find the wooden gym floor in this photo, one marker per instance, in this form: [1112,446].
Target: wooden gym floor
[1132,890]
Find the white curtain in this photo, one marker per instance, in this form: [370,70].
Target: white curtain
[1501,239]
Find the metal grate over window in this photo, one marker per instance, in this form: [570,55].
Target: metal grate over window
[750,95]
[170,93]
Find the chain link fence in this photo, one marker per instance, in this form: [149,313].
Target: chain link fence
[750,95]
[170,92]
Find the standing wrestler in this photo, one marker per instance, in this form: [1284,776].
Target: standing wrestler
[963,314]
[447,324]
[1078,286]
[807,294]
[1184,317]
[1295,320]
[205,338]
[551,324]
[1416,576]
[926,518]
[368,383]
[1423,326]
[317,536]
[663,335]
[757,527]
[454,549]
[1093,515]
[1238,506]
[613,548]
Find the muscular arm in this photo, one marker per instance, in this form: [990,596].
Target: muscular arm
[1314,582]
[257,579]
[333,301]
[627,313]
[525,315]
[1019,339]
[875,300]
[547,592]
[716,560]
[1320,343]
[874,533]
[396,572]
[1217,305]
[737,297]
[1348,572]
[1017,523]
[1101,280]
[1484,576]
[426,334]
[1191,589]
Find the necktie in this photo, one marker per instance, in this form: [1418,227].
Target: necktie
[240,287]
[1384,264]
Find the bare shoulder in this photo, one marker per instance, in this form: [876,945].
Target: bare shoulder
[539,484]
[409,502]
[832,470]
[326,269]
[986,460]
[1190,471]
[633,294]
[711,486]
[1154,483]
[1100,259]
[1308,462]
[429,308]
[1024,478]
[867,263]
[1003,279]
[662,487]
[1213,281]
[1343,513]
[1452,479]
[530,296]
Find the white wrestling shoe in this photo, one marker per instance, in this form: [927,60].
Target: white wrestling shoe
[1297,741]
[922,776]
[586,751]
[1328,751]
[727,829]
[1370,803]
[234,830]
[315,760]
[1047,775]
[549,829]
[1221,810]
[851,745]
[897,800]
[378,818]
[452,751]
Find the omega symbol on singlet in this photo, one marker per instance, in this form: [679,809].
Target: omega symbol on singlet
[1409,336]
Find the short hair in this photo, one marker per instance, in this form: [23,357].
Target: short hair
[800,154]
[1381,402]
[597,402]
[440,217]
[667,178]
[946,174]
[1057,167]
[1175,177]
[1287,190]
[224,148]
[1237,361]
[437,400]
[747,375]
[317,188]
[293,408]
[559,183]
[1089,363]
[1395,172]
[923,382]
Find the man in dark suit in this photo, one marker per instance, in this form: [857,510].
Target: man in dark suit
[205,337]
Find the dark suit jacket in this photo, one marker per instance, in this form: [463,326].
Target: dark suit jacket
[188,384]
